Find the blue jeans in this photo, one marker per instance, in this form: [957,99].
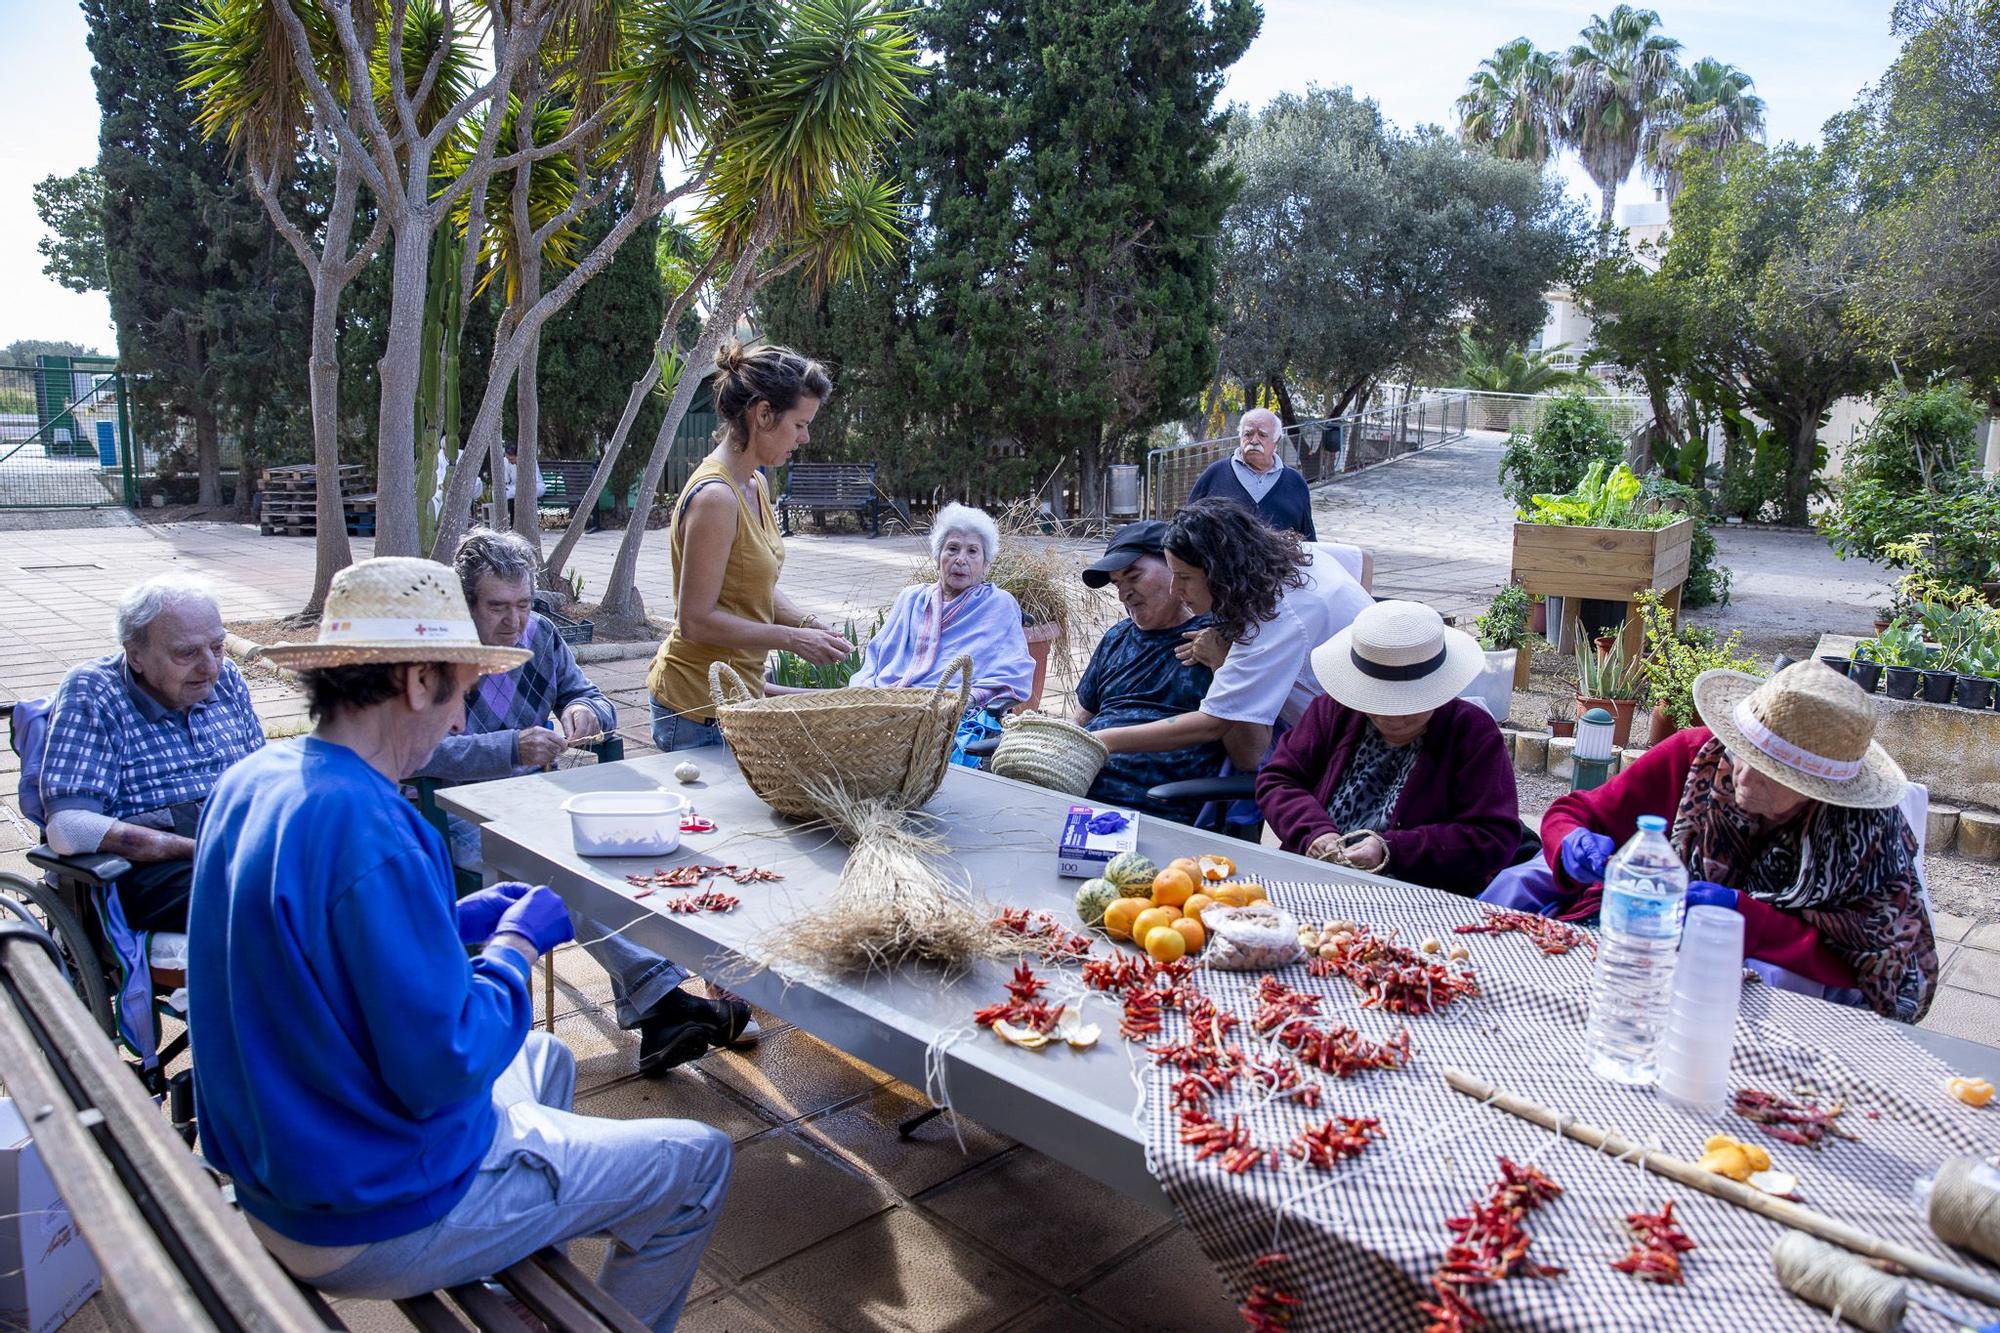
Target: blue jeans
[655,1186]
[673,732]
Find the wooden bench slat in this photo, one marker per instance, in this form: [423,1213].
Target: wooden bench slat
[430,1314]
[584,1287]
[550,1301]
[486,1309]
[218,1240]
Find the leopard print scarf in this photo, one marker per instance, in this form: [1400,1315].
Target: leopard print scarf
[1850,874]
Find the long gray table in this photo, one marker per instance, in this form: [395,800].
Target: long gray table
[1077,1106]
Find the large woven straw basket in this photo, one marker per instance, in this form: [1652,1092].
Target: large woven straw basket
[867,742]
[1049,752]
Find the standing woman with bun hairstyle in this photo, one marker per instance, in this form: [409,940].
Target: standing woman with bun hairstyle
[726,549]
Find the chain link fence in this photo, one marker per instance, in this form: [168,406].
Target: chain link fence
[65,435]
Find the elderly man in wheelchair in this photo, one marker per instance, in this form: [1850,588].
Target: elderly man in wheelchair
[115,768]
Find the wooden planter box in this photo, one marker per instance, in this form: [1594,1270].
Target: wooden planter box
[1606,564]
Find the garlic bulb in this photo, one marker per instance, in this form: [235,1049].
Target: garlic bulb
[686,772]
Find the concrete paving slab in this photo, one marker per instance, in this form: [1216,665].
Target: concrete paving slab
[1050,1219]
[764,1223]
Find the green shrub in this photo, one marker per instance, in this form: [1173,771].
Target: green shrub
[1552,453]
[1916,471]
[1505,622]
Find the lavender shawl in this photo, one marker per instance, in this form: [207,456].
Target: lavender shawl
[920,639]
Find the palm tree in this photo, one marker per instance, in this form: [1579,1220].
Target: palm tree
[1616,83]
[1509,107]
[1502,368]
[1712,110]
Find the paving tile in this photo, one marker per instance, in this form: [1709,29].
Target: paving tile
[1974,970]
[1964,1013]
[1984,937]
[1169,1285]
[783,1196]
[1945,926]
[901,1271]
[587,1253]
[682,1095]
[865,1134]
[730,1314]
[793,1073]
[1053,1221]
[604,1052]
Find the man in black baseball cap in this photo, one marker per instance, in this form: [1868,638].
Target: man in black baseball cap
[1127,545]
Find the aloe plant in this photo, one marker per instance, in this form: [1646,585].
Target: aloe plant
[1610,676]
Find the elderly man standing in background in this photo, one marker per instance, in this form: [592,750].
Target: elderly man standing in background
[136,742]
[1256,478]
[389,1122]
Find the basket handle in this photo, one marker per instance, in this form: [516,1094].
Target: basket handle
[961,666]
[720,673]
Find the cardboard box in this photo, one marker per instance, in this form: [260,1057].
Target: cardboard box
[1088,842]
[46,1270]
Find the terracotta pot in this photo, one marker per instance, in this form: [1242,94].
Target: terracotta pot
[1881,625]
[1538,617]
[1041,638]
[1621,711]
[1660,724]
[1603,643]
[1562,726]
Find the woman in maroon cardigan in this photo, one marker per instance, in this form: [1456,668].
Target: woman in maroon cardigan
[1390,771]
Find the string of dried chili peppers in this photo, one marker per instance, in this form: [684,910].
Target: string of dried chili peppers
[1021,1008]
[1657,1245]
[1055,943]
[1803,1123]
[1489,1245]
[1399,980]
[1548,934]
[1326,1146]
[1268,1308]
[710,901]
[688,877]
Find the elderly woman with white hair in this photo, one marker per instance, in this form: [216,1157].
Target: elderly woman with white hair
[932,624]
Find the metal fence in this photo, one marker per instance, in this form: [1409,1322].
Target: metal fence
[1321,449]
[1505,411]
[65,435]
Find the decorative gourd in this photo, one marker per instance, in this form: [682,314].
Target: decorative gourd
[1092,898]
[1132,873]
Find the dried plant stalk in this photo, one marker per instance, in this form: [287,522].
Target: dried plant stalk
[893,904]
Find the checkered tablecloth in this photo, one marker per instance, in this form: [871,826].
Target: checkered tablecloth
[1363,1239]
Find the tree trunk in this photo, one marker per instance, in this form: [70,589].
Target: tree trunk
[332,552]
[527,411]
[621,592]
[400,373]
[1288,415]
[1610,200]
[1799,477]
[207,456]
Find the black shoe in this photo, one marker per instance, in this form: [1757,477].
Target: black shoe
[682,1027]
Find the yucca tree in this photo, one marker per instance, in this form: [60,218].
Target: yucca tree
[794,186]
[1616,84]
[1510,106]
[1710,110]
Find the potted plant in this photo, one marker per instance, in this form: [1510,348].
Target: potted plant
[1504,632]
[1979,668]
[1865,669]
[1610,682]
[1949,631]
[1901,651]
[1674,657]
[1601,542]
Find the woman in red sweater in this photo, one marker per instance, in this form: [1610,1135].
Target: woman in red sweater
[1390,771]
[1784,808]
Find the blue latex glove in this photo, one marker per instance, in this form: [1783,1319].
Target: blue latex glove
[480,912]
[540,917]
[1707,893]
[1585,854]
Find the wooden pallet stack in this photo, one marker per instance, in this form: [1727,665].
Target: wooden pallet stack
[289,505]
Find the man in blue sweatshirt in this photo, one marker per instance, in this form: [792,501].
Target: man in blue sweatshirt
[1256,478]
[391,1124]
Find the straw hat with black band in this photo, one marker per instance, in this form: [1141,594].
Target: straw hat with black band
[1397,658]
[1808,727]
[395,609]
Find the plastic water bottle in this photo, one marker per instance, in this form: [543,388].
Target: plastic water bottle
[1645,891]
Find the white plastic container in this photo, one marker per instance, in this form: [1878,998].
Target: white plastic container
[625,823]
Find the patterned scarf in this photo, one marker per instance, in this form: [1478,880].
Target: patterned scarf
[1850,874]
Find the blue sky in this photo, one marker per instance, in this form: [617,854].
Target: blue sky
[1809,57]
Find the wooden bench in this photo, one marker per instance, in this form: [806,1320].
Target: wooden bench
[823,488]
[175,1256]
[569,480]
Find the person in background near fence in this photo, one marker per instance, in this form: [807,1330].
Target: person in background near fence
[512,452]
[1135,676]
[932,623]
[390,1123]
[1256,478]
[1390,771]
[1783,807]
[726,549]
[504,734]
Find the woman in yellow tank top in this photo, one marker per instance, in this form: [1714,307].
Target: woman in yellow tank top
[726,549]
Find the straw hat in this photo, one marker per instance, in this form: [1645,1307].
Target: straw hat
[1809,727]
[1397,658]
[395,609]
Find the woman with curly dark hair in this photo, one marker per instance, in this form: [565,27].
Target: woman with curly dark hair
[1274,599]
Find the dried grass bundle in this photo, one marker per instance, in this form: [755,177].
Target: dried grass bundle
[893,904]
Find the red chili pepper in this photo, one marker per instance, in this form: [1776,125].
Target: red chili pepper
[1803,1123]
[1548,934]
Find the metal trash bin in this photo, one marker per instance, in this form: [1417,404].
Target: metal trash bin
[1123,484]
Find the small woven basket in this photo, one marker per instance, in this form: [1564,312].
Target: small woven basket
[1049,752]
[869,742]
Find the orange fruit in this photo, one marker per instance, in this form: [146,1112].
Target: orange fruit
[1191,933]
[1172,887]
[1187,865]
[1231,895]
[1195,903]
[1166,944]
[1118,917]
[1151,919]
[1254,890]
[1215,867]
